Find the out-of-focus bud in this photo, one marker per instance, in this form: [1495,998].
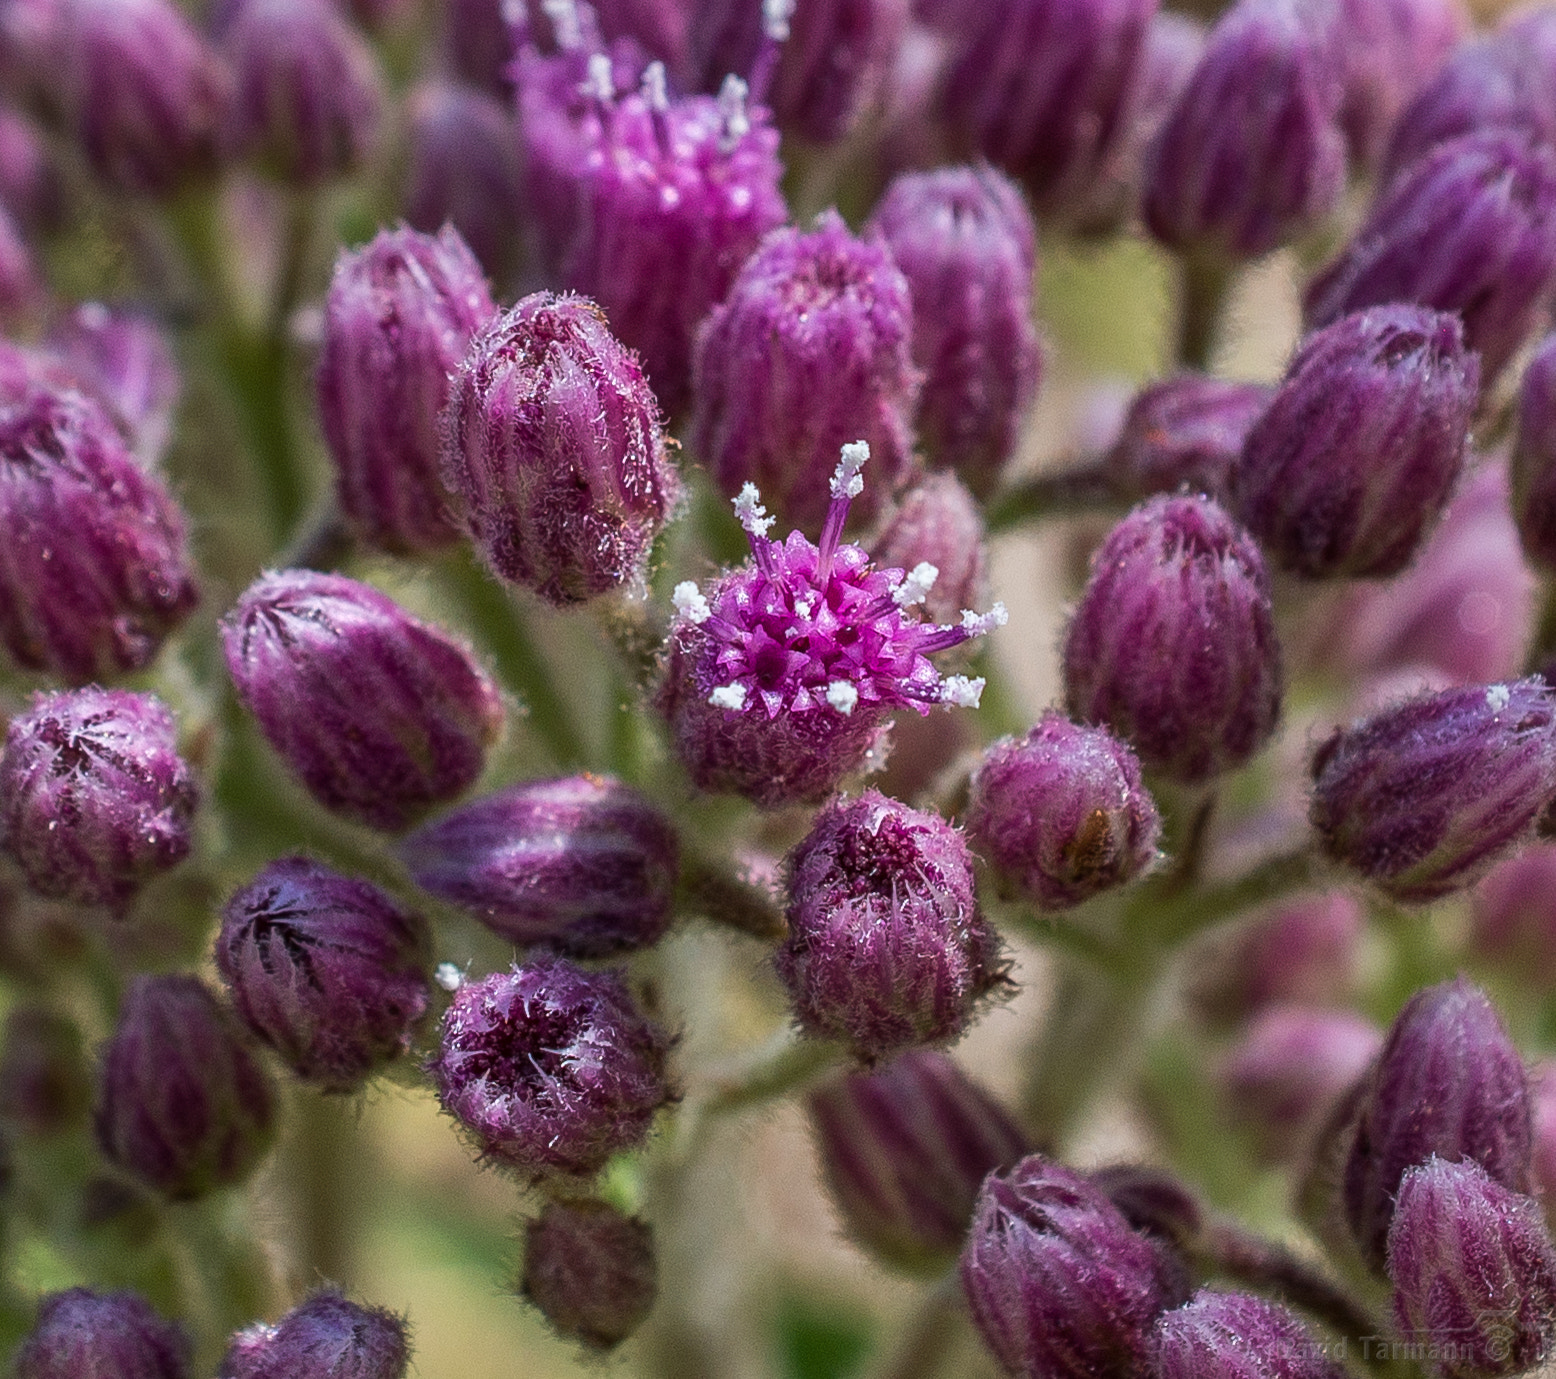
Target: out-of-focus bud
[1423,797]
[378,714]
[30,184]
[591,1270]
[1470,229]
[810,351]
[887,947]
[553,450]
[125,363]
[1238,1336]
[1474,1273]
[182,1105]
[1153,1201]
[478,44]
[94,798]
[44,1083]
[1448,1082]
[904,1151]
[1533,468]
[1513,916]
[1184,431]
[98,572]
[325,1337]
[327,970]
[584,864]
[550,1068]
[398,319]
[938,523]
[1058,1282]
[21,293]
[1062,813]
[1173,643]
[965,241]
[80,1334]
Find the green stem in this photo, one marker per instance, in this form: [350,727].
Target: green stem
[717,894]
[1169,921]
[326,1172]
[1064,493]
[1207,279]
[929,1338]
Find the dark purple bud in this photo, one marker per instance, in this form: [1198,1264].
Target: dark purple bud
[45,1086]
[1059,1284]
[887,947]
[1152,1201]
[31,188]
[379,715]
[398,319]
[96,571]
[1474,1273]
[478,44]
[1353,461]
[1533,467]
[182,1105]
[659,27]
[327,970]
[591,1270]
[550,1068]
[904,1151]
[1185,430]
[552,446]
[94,798]
[1173,643]
[965,241]
[1470,229]
[80,1334]
[811,350]
[325,1337]
[1513,916]
[123,361]
[938,523]
[1423,797]
[1542,1159]
[1449,1082]
[1238,1336]
[584,864]
[1062,814]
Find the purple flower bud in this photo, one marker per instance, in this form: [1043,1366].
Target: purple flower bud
[1471,229]
[399,317]
[124,363]
[550,1068]
[379,715]
[1062,814]
[327,970]
[80,1334]
[478,44]
[21,292]
[96,572]
[1533,466]
[44,1083]
[938,523]
[1474,1273]
[1423,797]
[1253,156]
[590,1270]
[30,185]
[1238,1336]
[904,1151]
[1353,461]
[1173,642]
[810,350]
[1185,430]
[309,97]
[887,947]
[1513,915]
[551,444]
[965,241]
[1153,1201]
[325,1337]
[182,1105]
[1448,1082]
[1542,1159]
[94,798]
[1059,1284]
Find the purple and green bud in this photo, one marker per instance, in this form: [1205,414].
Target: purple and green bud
[1238,1336]
[80,1334]
[122,361]
[1533,466]
[938,523]
[326,1337]
[45,1085]
[1513,916]
[1186,431]
[591,1270]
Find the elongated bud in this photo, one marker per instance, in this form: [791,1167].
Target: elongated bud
[380,715]
[125,363]
[1062,813]
[1423,797]
[80,1334]
[1448,1082]
[938,523]
[398,319]
[1354,459]
[478,44]
[31,187]
[1238,1336]
[1474,1273]
[1534,457]
[904,1150]
[1185,430]
[1513,915]
[182,1105]
[1173,643]
[591,1270]
[44,1083]
[94,798]
[325,1337]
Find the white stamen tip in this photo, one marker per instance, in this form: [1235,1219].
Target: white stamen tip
[775,18]
[690,603]
[732,111]
[750,512]
[602,80]
[654,91]
[1498,697]
[515,13]
[563,15]
[961,691]
[915,585]
[976,624]
[846,482]
[448,976]
[842,696]
[728,697]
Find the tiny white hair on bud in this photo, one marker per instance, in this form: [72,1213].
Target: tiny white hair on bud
[775,18]
[654,91]
[690,603]
[734,119]
[915,585]
[846,481]
[563,15]
[750,512]
[842,696]
[976,624]
[961,691]
[602,79]
[1498,697]
[729,697]
[448,976]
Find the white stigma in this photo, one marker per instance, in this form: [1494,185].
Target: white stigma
[602,80]
[448,976]
[728,697]
[846,479]
[690,603]
[750,512]
[915,585]
[1498,697]
[976,624]
[961,691]
[654,87]
[775,18]
[842,696]
[563,15]
[732,112]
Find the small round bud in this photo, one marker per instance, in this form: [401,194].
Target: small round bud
[325,1337]
[1513,916]
[1533,466]
[94,798]
[80,1334]
[44,1083]
[123,361]
[590,1270]
[1238,1336]
[1184,431]
[938,523]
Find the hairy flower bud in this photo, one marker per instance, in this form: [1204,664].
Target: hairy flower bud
[904,1150]
[938,523]
[1423,797]
[550,1068]
[1238,1336]
[182,1105]
[1353,461]
[1173,643]
[1184,431]
[552,448]
[378,714]
[591,1270]
[398,319]
[1513,916]
[44,1083]
[123,361]
[325,1337]
[94,798]
[1062,814]
[1533,466]
[80,1334]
